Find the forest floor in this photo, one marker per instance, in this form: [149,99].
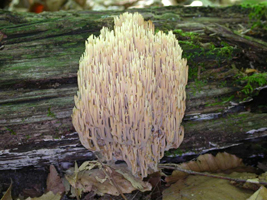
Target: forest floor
[32,182]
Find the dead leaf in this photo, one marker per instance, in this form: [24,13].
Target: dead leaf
[155,181]
[252,180]
[98,180]
[248,71]
[137,183]
[34,191]
[7,195]
[260,194]
[48,196]
[207,163]
[263,177]
[202,188]
[54,182]
[66,184]
[262,166]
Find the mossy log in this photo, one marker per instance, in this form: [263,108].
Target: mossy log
[39,60]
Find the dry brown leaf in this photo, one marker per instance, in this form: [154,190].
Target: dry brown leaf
[48,196]
[98,181]
[7,195]
[263,177]
[203,188]
[248,71]
[54,182]
[262,166]
[136,182]
[155,181]
[207,163]
[260,194]
[251,180]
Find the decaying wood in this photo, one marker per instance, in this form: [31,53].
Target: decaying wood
[39,61]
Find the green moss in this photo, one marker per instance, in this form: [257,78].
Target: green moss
[221,101]
[225,52]
[192,72]
[168,16]
[198,85]
[253,81]
[253,39]
[6,104]
[11,131]
[258,15]
[69,44]
[193,50]
[28,56]
[28,137]
[20,66]
[182,33]
[175,152]
[223,84]
[231,123]
[50,113]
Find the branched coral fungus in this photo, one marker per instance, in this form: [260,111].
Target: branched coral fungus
[131,97]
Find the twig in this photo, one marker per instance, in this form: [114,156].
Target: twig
[176,167]
[134,195]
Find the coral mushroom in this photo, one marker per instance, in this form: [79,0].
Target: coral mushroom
[131,97]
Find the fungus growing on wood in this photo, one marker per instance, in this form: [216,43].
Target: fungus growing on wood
[131,97]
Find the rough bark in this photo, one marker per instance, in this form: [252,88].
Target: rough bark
[39,61]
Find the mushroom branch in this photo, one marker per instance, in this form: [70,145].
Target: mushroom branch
[131,94]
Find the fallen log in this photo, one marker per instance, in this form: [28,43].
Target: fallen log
[39,60]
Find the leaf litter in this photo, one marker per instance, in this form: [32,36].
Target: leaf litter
[230,183]
[223,176]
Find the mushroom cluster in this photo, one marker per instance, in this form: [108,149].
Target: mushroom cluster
[131,97]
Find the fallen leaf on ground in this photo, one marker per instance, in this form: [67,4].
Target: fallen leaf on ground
[202,188]
[155,181]
[260,194]
[206,163]
[262,166]
[54,182]
[7,195]
[101,180]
